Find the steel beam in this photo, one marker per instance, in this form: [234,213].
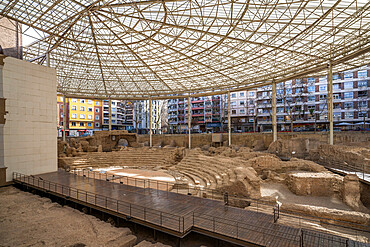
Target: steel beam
[64,117]
[229,116]
[189,121]
[330,103]
[274,123]
[150,123]
[110,115]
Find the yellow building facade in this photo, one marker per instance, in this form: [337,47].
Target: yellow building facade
[83,114]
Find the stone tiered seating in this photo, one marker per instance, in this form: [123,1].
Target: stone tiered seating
[214,172]
[130,157]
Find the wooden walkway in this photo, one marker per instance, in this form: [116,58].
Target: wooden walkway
[179,214]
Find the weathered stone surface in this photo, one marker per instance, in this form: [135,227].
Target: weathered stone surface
[296,147]
[258,145]
[334,214]
[315,184]
[85,145]
[352,192]
[100,148]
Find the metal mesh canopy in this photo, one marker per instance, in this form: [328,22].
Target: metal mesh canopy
[142,48]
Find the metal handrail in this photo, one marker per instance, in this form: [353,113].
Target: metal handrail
[183,223]
[217,194]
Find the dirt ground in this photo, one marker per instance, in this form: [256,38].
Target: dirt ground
[31,220]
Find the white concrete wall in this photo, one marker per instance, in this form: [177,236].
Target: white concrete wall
[30,134]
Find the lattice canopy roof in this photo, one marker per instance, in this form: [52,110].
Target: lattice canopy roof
[142,48]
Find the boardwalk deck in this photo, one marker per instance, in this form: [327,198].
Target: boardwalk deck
[178,213]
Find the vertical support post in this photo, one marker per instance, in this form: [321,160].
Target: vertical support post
[330,106]
[274,123]
[229,116]
[64,117]
[110,115]
[47,59]
[189,120]
[150,123]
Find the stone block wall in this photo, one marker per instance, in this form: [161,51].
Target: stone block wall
[29,137]
[247,139]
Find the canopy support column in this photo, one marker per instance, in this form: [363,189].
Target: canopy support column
[189,120]
[274,123]
[150,123]
[110,115]
[330,104]
[64,117]
[229,116]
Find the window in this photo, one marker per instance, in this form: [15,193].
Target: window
[348,84]
[233,103]
[97,110]
[311,89]
[336,115]
[336,86]
[348,115]
[298,90]
[336,96]
[336,106]
[113,121]
[323,96]
[362,94]
[280,109]
[348,105]
[280,91]
[82,124]
[97,125]
[90,102]
[74,100]
[242,111]
[362,114]
[233,112]
[241,102]
[113,103]
[264,94]
[89,124]
[82,100]
[289,99]
[348,75]
[90,117]
[362,74]
[82,108]
[61,115]
[311,80]
[288,91]
[82,116]
[362,104]
[311,107]
[74,108]
[322,79]
[89,109]
[97,117]
[233,95]
[322,88]
[73,124]
[61,107]
[251,111]
[336,77]
[362,84]
[96,102]
[241,94]
[74,115]
[348,95]
[251,94]
[311,98]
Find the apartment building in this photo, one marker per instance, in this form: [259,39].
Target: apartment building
[207,114]
[83,116]
[243,110]
[303,103]
[141,116]
[122,115]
